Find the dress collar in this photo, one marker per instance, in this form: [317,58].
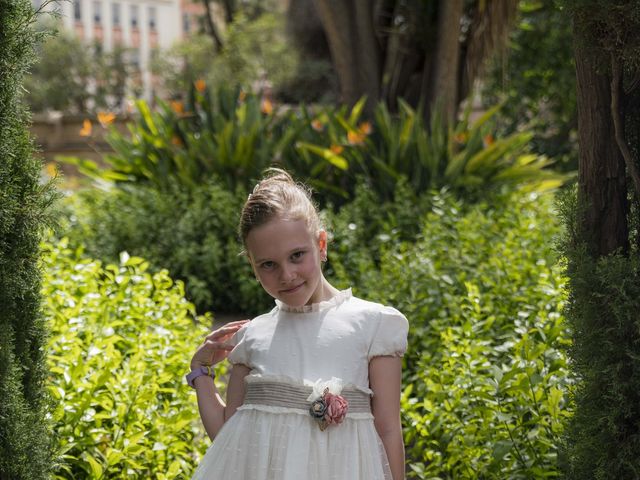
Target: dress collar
[336,300]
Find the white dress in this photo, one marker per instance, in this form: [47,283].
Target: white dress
[293,347]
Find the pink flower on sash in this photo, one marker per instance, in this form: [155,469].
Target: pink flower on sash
[329,408]
[337,407]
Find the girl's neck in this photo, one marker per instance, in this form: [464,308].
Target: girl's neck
[325,292]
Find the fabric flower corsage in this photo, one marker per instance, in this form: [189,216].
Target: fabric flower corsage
[327,405]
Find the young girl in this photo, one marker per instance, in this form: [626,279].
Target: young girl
[314,392]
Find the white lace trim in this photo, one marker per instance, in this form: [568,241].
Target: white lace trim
[274,409]
[336,300]
[258,377]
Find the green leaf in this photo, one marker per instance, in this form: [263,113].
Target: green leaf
[337,161]
[95,468]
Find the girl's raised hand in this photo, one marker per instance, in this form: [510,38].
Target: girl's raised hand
[215,348]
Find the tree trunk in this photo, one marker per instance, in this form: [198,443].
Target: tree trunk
[442,93]
[602,188]
[354,48]
[487,35]
[387,49]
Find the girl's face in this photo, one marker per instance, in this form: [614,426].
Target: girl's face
[286,258]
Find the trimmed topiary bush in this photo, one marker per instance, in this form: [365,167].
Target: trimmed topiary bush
[23,207]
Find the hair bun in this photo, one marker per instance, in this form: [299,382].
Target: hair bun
[276,174]
[278,195]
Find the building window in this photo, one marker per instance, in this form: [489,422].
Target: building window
[186,24]
[135,58]
[77,10]
[97,12]
[134,16]
[152,18]
[115,14]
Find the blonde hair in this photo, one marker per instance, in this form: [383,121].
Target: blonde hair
[278,195]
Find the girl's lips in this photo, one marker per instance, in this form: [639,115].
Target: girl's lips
[294,289]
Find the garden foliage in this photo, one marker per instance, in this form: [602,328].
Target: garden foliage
[233,136]
[538,89]
[118,351]
[176,158]
[486,379]
[23,210]
[191,232]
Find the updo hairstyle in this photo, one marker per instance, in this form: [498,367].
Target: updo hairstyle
[278,196]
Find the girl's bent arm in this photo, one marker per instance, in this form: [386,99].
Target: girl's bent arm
[213,411]
[385,377]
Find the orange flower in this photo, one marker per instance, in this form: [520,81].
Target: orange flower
[317,125]
[266,107]
[242,95]
[51,169]
[176,141]
[355,138]
[106,118]
[177,107]
[337,149]
[85,131]
[488,140]
[201,85]
[365,127]
[460,137]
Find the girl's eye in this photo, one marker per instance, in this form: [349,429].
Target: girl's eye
[266,265]
[297,255]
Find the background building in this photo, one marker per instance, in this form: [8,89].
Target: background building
[140,26]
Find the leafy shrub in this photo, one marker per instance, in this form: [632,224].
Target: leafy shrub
[486,376]
[119,347]
[232,137]
[190,232]
[467,159]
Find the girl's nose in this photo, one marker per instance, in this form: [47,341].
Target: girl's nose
[288,273]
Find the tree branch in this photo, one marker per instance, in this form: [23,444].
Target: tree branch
[616,84]
[211,26]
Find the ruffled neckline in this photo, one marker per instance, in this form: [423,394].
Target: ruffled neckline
[337,299]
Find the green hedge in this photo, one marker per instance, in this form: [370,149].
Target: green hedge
[603,439]
[121,340]
[190,232]
[486,376]
[23,213]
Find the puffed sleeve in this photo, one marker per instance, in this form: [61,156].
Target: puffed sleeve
[390,336]
[240,353]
